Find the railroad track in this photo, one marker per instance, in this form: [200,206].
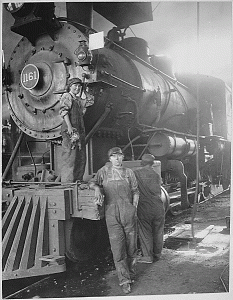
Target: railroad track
[36,282]
[174,208]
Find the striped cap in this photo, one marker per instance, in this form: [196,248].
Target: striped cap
[73,81]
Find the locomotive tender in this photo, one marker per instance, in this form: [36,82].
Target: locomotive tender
[139,105]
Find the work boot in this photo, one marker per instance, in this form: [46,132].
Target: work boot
[126,288]
[157,257]
[145,260]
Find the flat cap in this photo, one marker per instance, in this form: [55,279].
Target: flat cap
[73,81]
[147,159]
[115,150]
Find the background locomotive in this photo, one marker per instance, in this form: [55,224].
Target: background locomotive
[139,105]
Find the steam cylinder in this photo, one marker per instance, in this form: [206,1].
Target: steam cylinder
[171,146]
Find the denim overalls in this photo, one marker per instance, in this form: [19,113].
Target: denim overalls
[121,223]
[73,160]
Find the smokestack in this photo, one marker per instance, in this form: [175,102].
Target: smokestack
[81,12]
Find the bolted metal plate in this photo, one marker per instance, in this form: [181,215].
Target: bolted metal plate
[38,78]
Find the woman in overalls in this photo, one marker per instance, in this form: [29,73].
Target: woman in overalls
[121,200]
[72,109]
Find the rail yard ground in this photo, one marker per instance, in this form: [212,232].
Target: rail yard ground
[187,266]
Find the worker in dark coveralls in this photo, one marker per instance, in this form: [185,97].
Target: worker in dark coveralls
[121,200]
[72,109]
[151,212]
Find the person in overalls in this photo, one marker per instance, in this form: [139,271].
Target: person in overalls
[72,109]
[151,212]
[121,200]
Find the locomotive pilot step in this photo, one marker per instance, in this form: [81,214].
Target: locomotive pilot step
[36,227]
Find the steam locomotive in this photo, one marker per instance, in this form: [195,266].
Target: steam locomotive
[139,105]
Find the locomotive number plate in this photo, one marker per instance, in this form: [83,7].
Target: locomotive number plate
[29,76]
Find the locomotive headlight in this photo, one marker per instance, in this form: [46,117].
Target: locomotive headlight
[19,9]
[33,19]
[83,54]
[13,7]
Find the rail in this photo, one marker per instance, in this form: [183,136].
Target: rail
[176,195]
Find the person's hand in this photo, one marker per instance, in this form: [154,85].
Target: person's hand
[83,186]
[99,197]
[70,129]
